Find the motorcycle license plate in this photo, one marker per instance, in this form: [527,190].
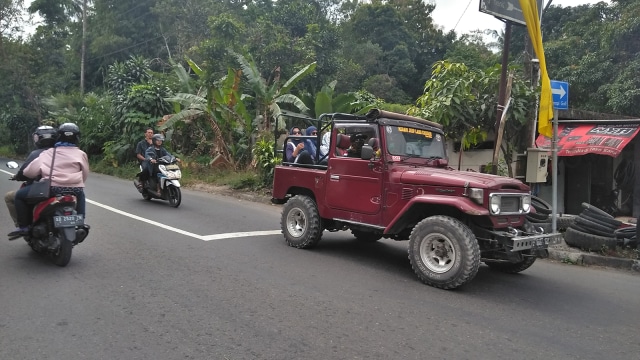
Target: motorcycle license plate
[172,167]
[68,220]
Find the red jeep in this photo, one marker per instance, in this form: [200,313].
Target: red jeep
[387,175]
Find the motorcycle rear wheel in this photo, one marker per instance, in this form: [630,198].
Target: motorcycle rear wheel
[175,196]
[62,255]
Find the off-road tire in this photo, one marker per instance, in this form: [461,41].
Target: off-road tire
[301,223]
[366,236]
[588,242]
[604,220]
[596,210]
[564,221]
[512,268]
[540,205]
[443,252]
[594,228]
[537,217]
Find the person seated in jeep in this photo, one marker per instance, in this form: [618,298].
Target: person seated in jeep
[295,151]
[357,141]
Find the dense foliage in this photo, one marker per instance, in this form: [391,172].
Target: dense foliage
[214,74]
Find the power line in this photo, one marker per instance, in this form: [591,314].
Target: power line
[460,18]
[127,48]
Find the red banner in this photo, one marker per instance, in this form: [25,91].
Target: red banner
[581,139]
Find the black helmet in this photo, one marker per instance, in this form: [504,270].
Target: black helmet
[157,137]
[69,132]
[44,137]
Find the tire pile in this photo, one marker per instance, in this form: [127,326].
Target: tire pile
[594,229]
[542,216]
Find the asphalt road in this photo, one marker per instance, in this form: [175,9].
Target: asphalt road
[214,279]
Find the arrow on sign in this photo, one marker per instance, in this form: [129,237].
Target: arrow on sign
[559,91]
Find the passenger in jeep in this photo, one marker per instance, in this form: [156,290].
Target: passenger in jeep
[295,151]
[357,141]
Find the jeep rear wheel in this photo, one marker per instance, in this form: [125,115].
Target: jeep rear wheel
[300,223]
[443,252]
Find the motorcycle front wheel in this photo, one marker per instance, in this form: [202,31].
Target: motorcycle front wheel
[175,196]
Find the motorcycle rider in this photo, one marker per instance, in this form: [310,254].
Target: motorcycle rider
[44,137]
[141,148]
[153,153]
[70,171]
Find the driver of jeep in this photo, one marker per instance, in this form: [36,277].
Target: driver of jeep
[357,141]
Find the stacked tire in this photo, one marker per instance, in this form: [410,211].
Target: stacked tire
[542,216]
[593,230]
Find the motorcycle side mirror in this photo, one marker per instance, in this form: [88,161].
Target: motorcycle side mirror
[12,165]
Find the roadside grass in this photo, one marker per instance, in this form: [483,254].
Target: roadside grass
[192,173]
[621,252]
[7,152]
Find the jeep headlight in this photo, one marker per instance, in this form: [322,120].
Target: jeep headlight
[526,203]
[476,195]
[494,204]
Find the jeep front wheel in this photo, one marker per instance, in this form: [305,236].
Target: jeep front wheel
[300,223]
[443,252]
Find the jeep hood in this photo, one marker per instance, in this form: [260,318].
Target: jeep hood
[454,178]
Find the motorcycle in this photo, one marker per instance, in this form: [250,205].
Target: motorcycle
[169,182]
[56,227]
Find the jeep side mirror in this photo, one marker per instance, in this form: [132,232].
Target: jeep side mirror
[366,153]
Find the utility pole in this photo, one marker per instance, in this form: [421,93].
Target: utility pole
[502,97]
[84,45]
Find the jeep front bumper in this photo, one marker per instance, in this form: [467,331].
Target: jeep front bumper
[535,242]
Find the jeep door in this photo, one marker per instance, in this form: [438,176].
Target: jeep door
[352,184]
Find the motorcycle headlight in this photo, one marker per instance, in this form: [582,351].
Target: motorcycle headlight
[494,205]
[526,203]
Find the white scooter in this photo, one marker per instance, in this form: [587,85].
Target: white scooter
[169,179]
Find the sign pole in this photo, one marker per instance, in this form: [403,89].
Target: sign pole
[554,173]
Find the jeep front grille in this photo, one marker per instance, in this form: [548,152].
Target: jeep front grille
[510,204]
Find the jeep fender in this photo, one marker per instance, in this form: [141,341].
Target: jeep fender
[461,204]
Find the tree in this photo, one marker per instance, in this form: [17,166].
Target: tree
[268,94]
[464,101]
[221,106]
[10,11]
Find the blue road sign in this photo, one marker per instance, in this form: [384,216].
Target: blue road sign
[560,94]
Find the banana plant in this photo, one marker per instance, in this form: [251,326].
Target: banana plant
[222,107]
[268,94]
[325,102]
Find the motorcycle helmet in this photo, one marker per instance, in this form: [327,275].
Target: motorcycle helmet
[69,132]
[44,137]
[157,137]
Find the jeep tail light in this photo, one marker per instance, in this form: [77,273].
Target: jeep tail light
[476,195]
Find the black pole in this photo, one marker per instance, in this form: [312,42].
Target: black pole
[503,85]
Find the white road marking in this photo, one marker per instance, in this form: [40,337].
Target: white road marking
[186,233]
[180,231]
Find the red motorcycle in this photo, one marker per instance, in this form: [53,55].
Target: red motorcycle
[56,227]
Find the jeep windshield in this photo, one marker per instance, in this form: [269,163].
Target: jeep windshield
[409,142]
